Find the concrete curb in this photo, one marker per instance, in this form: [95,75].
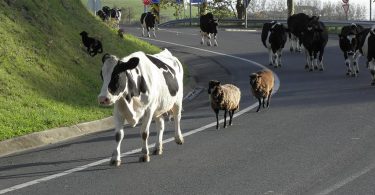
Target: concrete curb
[51,136]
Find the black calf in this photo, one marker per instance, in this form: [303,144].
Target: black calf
[93,46]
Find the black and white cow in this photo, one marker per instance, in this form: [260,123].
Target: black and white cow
[115,13]
[366,47]
[102,15]
[208,26]
[274,39]
[314,40]
[297,24]
[107,13]
[148,21]
[142,86]
[349,45]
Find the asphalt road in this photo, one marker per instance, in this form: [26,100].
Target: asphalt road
[317,137]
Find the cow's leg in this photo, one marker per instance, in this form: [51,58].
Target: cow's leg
[347,63]
[178,138]
[208,39]
[143,31]
[275,60]
[119,131]
[148,31]
[153,30]
[355,64]
[225,118]
[371,65]
[315,60]
[202,37]
[160,127]
[145,134]
[279,53]
[293,43]
[215,41]
[321,64]
[308,60]
[270,56]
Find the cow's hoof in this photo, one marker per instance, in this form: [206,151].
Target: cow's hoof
[158,151]
[321,69]
[179,141]
[311,69]
[115,162]
[372,83]
[291,50]
[144,158]
[306,66]
[216,45]
[348,73]
[201,43]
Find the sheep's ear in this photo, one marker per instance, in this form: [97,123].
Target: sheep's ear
[105,57]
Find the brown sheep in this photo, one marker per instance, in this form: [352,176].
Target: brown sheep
[261,84]
[224,97]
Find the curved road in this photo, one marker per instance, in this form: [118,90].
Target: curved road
[316,137]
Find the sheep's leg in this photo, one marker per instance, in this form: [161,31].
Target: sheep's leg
[264,102]
[269,98]
[231,112]
[217,118]
[160,127]
[119,122]
[225,118]
[145,134]
[260,103]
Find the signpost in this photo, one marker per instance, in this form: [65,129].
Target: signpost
[346,7]
[94,5]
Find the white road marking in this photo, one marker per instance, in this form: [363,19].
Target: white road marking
[106,160]
[347,180]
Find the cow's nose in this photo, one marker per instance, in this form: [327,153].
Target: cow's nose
[103,100]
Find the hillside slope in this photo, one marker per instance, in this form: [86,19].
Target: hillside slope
[46,77]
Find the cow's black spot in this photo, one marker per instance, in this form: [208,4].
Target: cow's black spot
[168,73]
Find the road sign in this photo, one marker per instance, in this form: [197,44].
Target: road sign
[196,1]
[346,8]
[146,2]
[94,5]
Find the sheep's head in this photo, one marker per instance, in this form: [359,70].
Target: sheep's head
[254,80]
[217,94]
[212,84]
[84,33]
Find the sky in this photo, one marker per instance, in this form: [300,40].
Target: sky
[361,2]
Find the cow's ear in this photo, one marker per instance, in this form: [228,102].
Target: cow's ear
[105,57]
[132,63]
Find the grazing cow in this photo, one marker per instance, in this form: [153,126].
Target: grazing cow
[142,86]
[102,15]
[115,13]
[274,39]
[296,25]
[349,46]
[367,49]
[94,46]
[314,39]
[208,27]
[148,21]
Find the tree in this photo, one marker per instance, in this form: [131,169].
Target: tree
[240,9]
[290,4]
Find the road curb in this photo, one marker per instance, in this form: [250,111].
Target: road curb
[38,139]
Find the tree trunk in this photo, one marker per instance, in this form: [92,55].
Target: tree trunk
[240,9]
[290,7]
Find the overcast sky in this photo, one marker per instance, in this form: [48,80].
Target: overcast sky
[361,2]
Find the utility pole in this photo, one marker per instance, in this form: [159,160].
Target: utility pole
[290,4]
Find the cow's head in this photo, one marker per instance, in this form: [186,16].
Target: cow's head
[116,79]
[348,38]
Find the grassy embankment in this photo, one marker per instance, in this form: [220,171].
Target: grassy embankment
[47,79]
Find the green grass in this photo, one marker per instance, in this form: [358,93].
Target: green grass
[47,79]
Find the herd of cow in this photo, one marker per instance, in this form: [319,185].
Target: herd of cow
[129,83]
[309,32]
